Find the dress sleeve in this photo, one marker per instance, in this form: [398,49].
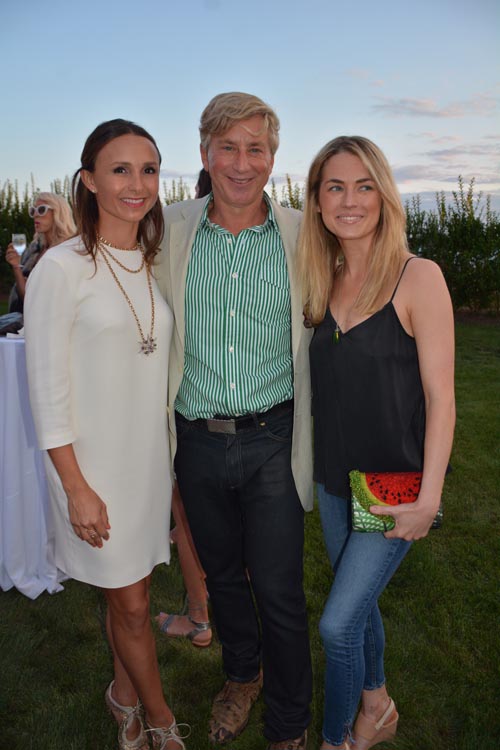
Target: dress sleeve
[49,313]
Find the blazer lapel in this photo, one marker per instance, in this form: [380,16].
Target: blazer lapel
[182,235]
[289,228]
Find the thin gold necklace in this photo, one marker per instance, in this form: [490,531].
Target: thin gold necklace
[104,249]
[137,246]
[338,331]
[147,345]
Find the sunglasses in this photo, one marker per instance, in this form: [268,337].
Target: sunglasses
[39,210]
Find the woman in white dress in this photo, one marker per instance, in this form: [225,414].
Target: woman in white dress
[97,340]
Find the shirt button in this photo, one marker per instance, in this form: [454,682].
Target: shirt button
[232,313]
[234,275]
[233,386]
[231,349]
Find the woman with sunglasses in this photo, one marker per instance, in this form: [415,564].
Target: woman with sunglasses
[53,224]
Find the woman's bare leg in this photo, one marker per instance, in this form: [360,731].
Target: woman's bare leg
[123,690]
[133,644]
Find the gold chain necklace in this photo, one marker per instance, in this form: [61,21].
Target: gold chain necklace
[118,263]
[337,331]
[138,246]
[147,345]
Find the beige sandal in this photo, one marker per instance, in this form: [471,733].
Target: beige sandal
[124,717]
[374,732]
[160,736]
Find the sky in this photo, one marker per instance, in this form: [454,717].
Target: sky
[420,79]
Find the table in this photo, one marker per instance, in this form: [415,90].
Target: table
[26,544]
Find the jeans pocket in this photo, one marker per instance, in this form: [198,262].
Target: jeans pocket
[280,428]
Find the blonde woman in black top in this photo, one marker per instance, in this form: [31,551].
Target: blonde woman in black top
[383,400]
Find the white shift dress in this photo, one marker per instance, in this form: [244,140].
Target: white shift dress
[90,386]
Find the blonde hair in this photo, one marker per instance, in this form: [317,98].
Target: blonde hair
[320,252]
[224,110]
[63,226]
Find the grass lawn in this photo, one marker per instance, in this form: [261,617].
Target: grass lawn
[441,613]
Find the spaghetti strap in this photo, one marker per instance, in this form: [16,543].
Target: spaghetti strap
[401,276]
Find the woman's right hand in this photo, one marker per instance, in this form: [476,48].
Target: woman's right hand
[88,515]
[87,512]
[12,256]
[412,520]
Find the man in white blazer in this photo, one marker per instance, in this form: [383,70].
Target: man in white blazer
[240,416]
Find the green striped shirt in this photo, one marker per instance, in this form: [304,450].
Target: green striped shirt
[237,343]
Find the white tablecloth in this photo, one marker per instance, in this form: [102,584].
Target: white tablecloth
[26,560]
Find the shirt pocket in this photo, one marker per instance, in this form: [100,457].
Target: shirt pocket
[272,298]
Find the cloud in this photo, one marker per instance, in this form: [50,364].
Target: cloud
[431,172]
[424,134]
[481,104]
[363,74]
[492,179]
[414,172]
[447,139]
[448,154]
[435,137]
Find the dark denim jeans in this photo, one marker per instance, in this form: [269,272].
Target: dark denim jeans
[351,626]
[245,515]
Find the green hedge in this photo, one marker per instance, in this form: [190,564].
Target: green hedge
[462,236]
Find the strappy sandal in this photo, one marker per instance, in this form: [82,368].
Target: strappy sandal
[160,736]
[192,635]
[382,730]
[124,717]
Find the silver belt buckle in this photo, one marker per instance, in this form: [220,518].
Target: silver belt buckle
[227,426]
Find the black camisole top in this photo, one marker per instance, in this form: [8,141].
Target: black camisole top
[368,400]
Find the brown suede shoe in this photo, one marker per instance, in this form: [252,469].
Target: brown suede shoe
[231,709]
[299,744]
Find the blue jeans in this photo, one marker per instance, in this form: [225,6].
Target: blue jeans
[245,516]
[351,626]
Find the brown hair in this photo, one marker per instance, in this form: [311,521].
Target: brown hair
[203,185]
[224,110]
[320,252]
[86,210]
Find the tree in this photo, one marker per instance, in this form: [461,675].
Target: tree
[463,237]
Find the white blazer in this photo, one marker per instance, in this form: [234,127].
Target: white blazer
[181,223]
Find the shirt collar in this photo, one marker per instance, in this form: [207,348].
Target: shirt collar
[269,222]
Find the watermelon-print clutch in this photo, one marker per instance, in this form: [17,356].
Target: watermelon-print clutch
[383,488]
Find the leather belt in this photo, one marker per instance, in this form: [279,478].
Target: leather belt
[231,425]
